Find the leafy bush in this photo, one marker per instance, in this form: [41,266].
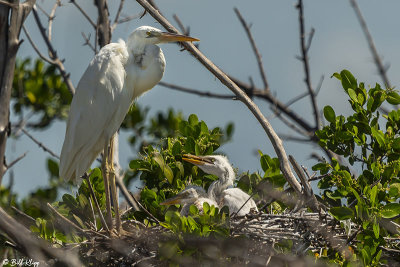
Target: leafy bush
[366,188]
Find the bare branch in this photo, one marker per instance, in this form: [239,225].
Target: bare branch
[87,42]
[304,58]
[103,23]
[196,92]
[40,144]
[121,6]
[53,53]
[12,163]
[51,17]
[183,29]
[132,200]
[255,49]
[84,14]
[32,246]
[219,74]
[34,46]
[372,47]
[11,5]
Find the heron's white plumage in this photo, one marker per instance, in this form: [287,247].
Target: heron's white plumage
[118,74]
[234,198]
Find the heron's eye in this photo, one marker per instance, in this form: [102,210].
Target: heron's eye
[148,34]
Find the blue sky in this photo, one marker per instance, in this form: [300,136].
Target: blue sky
[338,44]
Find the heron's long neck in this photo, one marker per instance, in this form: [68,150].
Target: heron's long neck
[217,187]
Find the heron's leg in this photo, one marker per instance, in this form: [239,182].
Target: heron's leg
[114,194]
[105,172]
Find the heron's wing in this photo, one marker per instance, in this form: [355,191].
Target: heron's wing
[97,110]
[234,198]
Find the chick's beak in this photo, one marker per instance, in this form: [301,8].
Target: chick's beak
[173,37]
[196,160]
[173,200]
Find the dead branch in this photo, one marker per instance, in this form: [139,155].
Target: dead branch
[371,44]
[304,58]
[87,42]
[41,145]
[53,53]
[32,246]
[84,14]
[196,92]
[121,6]
[255,49]
[12,17]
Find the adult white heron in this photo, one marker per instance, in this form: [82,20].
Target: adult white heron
[239,202]
[191,195]
[116,76]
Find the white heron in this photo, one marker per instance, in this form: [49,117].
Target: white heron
[239,202]
[191,195]
[116,76]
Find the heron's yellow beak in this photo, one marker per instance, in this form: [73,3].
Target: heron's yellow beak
[196,160]
[173,200]
[173,37]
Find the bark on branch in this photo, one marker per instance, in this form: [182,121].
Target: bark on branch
[11,19]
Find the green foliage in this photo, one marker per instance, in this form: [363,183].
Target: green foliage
[162,169]
[370,142]
[41,90]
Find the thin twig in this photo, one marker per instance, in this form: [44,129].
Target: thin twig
[87,42]
[96,203]
[304,58]
[121,6]
[52,53]
[132,200]
[371,44]
[84,14]
[40,144]
[12,163]
[48,60]
[183,29]
[196,92]
[255,49]
[51,17]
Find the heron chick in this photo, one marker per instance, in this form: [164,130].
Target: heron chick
[191,195]
[239,202]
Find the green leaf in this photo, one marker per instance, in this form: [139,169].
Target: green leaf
[337,76]
[396,143]
[329,114]
[374,191]
[176,148]
[342,213]
[393,98]
[379,136]
[348,80]
[394,190]
[52,166]
[193,120]
[375,227]
[135,164]
[391,210]
[352,95]
[168,174]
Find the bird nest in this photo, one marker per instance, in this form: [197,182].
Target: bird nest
[256,239]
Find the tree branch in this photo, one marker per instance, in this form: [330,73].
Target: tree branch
[11,21]
[195,92]
[255,49]
[304,58]
[53,53]
[219,74]
[84,14]
[372,47]
[46,149]
[121,6]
